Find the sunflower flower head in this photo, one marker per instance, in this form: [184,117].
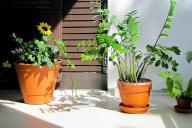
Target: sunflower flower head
[44,29]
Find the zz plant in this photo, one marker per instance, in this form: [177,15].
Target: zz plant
[123,45]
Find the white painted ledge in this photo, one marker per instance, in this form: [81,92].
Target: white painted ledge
[93,109]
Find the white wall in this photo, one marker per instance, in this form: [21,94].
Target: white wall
[152,14]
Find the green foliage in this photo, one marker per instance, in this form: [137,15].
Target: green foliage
[44,51]
[6,64]
[123,44]
[161,57]
[189,56]
[174,83]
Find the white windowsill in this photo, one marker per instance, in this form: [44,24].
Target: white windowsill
[93,109]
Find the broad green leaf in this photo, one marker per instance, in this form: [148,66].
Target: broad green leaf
[169,84]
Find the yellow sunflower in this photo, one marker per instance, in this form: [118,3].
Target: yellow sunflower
[44,29]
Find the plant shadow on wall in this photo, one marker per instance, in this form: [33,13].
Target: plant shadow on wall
[21,17]
[132,63]
[92,98]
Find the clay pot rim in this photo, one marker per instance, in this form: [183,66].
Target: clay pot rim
[136,84]
[27,64]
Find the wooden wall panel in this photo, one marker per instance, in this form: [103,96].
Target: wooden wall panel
[79,24]
[86,30]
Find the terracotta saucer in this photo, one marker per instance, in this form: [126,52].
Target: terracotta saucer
[132,110]
[182,110]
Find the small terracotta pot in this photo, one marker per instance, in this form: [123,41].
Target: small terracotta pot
[37,83]
[135,95]
[184,103]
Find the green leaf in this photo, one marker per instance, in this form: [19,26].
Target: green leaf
[105,12]
[169,19]
[49,62]
[164,35]
[170,59]
[138,57]
[169,83]
[113,56]
[189,56]
[46,38]
[135,38]
[31,58]
[174,63]
[6,64]
[175,49]
[157,63]
[163,64]
[189,88]
[174,69]
[40,44]
[172,7]
[166,65]
[167,26]
[173,82]
[113,18]
[70,64]
[153,59]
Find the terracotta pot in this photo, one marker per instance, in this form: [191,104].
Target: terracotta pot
[135,95]
[184,103]
[37,83]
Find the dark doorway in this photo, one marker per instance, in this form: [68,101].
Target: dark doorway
[71,21]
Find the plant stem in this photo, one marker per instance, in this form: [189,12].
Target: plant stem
[145,66]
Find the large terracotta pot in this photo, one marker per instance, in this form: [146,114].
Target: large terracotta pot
[135,95]
[37,83]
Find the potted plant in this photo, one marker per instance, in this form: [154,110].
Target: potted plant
[37,63]
[130,61]
[174,86]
